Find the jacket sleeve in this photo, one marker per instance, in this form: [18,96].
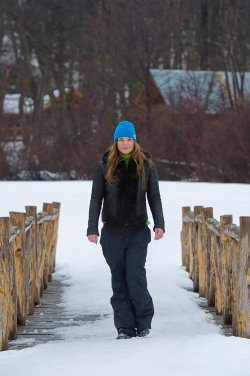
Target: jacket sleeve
[96,201]
[154,199]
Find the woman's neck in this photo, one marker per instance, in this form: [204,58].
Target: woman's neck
[126,158]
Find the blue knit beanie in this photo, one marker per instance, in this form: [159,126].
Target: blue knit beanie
[125,129]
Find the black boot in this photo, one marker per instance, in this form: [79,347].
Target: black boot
[143,332]
[122,334]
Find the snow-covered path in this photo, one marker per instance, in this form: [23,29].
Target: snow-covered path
[183,340]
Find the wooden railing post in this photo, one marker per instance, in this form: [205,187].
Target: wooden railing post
[57,206]
[204,253]
[226,270]
[48,208]
[197,211]
[235,251]
[41,250]
[184,239]
[21,266]
[12,309]
[216,261]
[4,279]
[243,298]
[31,248]
[211,276]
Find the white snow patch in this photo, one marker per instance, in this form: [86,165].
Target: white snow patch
[184,339]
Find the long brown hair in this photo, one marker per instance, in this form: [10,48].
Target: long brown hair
[114,158]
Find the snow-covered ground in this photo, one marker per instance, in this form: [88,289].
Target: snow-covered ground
[183,341]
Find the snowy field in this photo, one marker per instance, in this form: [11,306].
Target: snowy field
[183,341]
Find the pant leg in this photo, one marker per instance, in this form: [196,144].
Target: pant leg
[113,242]
[136,276]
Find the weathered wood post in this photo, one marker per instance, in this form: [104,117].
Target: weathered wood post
[4,278]
[197,211]
[215,293]
[21,266]
[191,244]
[31,211]
[226,269]
[211,275]
[31,249]
[233,232]
[184,239]
[48,208]
[204,252]
[243,286]
[57,206]
[12,309]
[41,250]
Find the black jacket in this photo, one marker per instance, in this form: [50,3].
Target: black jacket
[124,202]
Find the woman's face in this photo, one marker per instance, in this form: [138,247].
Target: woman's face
[125,145]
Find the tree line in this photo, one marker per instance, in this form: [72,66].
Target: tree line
[106,49]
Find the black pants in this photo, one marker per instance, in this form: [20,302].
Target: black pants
[125,251]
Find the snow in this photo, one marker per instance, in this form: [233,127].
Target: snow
[184,339]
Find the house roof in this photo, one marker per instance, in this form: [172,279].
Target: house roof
[206,89]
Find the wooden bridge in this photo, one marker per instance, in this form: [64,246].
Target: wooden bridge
[31,311]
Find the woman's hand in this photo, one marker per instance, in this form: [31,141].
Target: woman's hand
[158,233]
[93,238]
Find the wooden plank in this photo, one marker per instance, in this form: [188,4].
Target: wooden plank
[48,316]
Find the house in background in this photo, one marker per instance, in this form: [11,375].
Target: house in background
[12,103]
[206,91]
[180,111]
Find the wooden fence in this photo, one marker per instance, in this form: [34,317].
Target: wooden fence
[217,257]
[27,260]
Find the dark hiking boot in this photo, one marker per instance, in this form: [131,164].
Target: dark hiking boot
[143,332]
[123,335]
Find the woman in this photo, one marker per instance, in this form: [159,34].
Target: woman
[124,176]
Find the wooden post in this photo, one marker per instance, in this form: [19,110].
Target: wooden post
[235,251]
[191,248]
[243,285]
[197,210]
[4,278]
[57,206]
[226,270]
[204,253]
[31,249]
[211,274]
[216,265]
[21,266]
[200,255]
[41,250]
[48,208]
[184,239]
[12,308]
[32,212]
